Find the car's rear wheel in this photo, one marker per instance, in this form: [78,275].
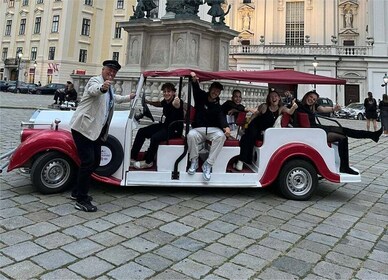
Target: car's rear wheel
[298,180]
[52,172]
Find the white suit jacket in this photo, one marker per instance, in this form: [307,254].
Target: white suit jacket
[89,117]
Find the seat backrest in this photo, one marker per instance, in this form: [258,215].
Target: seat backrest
[286,119]
[241,118]
[303,119]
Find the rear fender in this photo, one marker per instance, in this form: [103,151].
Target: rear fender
[296,150]
[42,141]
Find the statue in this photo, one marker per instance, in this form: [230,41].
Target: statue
[175,6]
[217,11]
[348,19]
[143,8]
[191,7]
[246,22]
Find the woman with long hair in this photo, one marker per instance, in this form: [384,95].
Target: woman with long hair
[370,105]
[383,106]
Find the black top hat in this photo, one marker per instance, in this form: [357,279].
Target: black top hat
[112,64]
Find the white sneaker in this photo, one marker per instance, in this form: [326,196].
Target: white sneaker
[193,167]
[142,164]
[239,165]
[207,171]
[132,162]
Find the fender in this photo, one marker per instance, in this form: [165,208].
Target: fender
[292,150]
[40,141]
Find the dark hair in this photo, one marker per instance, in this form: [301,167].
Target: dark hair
[235,91]
[216,85]
[306,95]
[268,99]
[169,86]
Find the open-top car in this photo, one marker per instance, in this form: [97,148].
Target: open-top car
[290,159]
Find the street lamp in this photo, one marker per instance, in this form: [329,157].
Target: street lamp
[385,79]
[19,58]
[315,64]
[33,77]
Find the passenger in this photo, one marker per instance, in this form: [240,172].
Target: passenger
[335,133]
[370,105]
[264,118]
[209,124]
[158,132]
[383,106]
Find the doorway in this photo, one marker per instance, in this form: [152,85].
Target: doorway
[352,94]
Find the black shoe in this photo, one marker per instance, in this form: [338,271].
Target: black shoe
[348,170]
[74,197]
[86,206]
[377,134]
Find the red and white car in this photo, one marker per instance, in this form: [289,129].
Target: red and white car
[290,159]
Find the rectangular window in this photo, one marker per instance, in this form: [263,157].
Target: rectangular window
[34,51]
[51,54]
[25,3]
[55,27]
[22,29]
[115,56]
[8,26]
[39,1]
[120,4]
[37,25]
[85,27]
[117,31]
[295,23]
[4,54]
[83,55]
[89,2]
[11,3]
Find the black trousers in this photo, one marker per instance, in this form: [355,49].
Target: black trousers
[156,133]
[89,153]
[247,143]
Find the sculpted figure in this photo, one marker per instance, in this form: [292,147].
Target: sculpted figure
[143,8]
[217,11]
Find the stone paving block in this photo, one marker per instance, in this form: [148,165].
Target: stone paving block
[208,258]
[164,216]
[154,262]
[313,246]
[14,236]
[91,267]
[41,216]
[153,205]
[263,252]
[205,235]
[206,214]
[271,273]
[24,199]
[193,222]
[22,270]
[117,218]
[195,204]
[171,199]
[330,230]
[376,266]
[99,225]
[368,274]
[67,221]
[252,262]
[304,255]
[54,200]
[250,232]
[285,236]
[191,268]
[135,212]
[352,241]
[382,246]
[117,255]
[4,261]
[188,244]
[125,202]
[235,219]
[234,271]
[379,256]
[169,274]
[343,260]
[276,244]
[140,244]
[23,250]
[40,229]
[294,229]
[375,230]
[148,222]
[109,207]
[269,221]
[63,209]
[341,220]
[222,250]
[82,248]
[351,251]
[53,259]
[7,194]
[363,235]
[280,214]
[292,266]
[236,241]
[63,273]
[221,227]
[7,203]
[310,218]
[133,269]
[221,207]
[129,230]
[322,238]
[107,238]
[332,271]
[79,231]
[15,222]
[54,240]
[176,228]
[213,277]
[173,253]
[158,236]
[12,212]
[142,197]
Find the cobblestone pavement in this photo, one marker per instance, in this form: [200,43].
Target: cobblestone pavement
[188,233]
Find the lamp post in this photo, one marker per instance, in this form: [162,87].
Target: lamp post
[385,79]
[315,64]
[33,77]
[19,58]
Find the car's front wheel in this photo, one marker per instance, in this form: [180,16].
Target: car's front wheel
[360,117]
[298,180]
[52,172]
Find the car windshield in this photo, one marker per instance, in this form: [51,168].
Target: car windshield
[355,106]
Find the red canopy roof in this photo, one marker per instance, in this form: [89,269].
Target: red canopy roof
[278,76]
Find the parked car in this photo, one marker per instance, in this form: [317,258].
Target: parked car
[4,86]
[23,88]
[50,88]
[325,102]
[290,159]
[352,111]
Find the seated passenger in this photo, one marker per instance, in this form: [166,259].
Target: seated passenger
[264,118]
[334,133]
[158,132]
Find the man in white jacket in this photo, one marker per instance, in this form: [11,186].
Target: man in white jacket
[90,126]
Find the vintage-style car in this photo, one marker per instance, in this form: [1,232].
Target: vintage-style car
[290,159]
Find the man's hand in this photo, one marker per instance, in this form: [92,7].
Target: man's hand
[176,102]
[194,76]
[227,132]
[105,86]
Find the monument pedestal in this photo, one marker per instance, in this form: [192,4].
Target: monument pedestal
[176,43]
